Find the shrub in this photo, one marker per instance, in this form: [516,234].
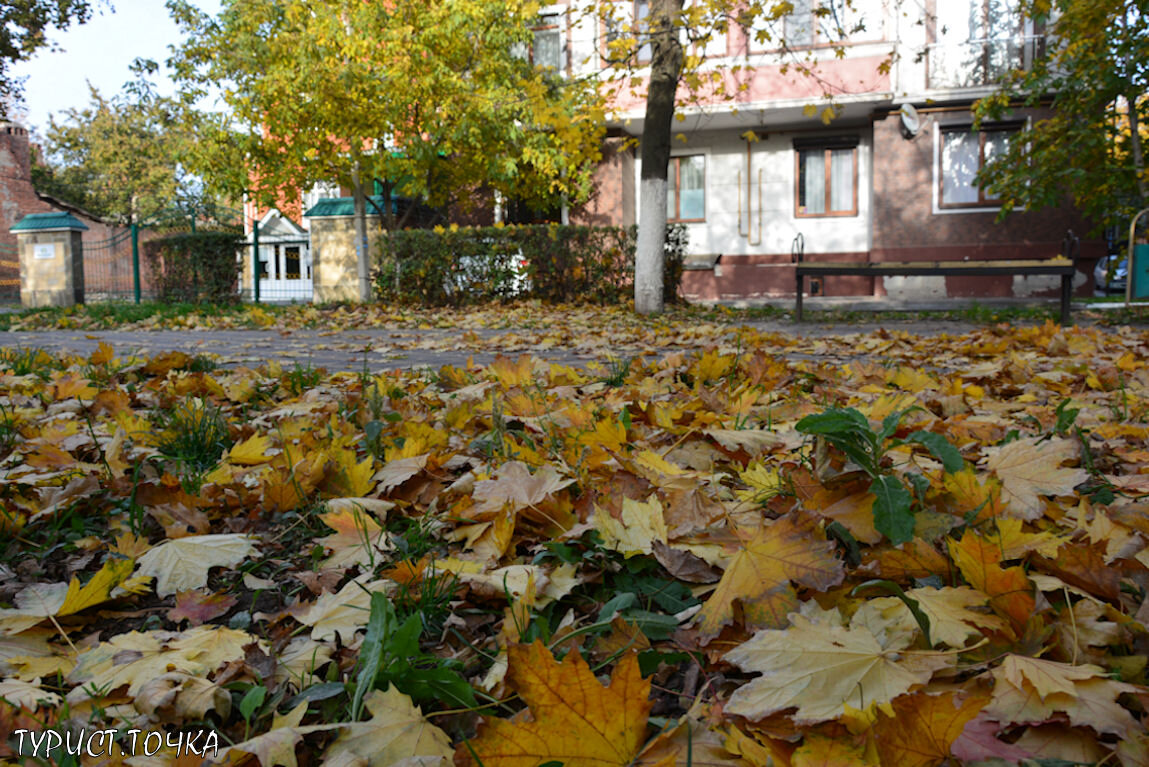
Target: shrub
[547,261]
[195,266]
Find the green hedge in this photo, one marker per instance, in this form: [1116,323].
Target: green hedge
[548,261]
[195,267]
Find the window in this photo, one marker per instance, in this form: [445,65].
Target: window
[975,42]
[826,22]
[963,153]
[826,178]
[547,49]
[291,269]
[686,188]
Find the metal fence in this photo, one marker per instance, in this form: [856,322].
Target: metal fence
[110,271]
[116,268]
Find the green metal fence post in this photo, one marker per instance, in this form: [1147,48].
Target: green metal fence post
[255,261]
[136,260]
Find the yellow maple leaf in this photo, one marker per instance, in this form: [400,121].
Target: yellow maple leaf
[791,549]
[355,478]
[577,721]
[639,525]
[97,590]
[251,452]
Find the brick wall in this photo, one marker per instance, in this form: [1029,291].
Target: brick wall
[906,227]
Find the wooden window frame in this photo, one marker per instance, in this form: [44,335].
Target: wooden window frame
[982,200]
[798,212]
[673,184]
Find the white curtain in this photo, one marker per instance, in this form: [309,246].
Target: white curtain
[814,167]
[959,166]
[692,187]
[842,179]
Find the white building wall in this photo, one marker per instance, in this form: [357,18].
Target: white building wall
[768,222]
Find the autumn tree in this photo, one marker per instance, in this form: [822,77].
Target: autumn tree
[118,157]
[673,71]
[1093,78]
[434,100]
[24,26]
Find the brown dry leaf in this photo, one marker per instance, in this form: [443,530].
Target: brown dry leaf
[514,485]
[178,697]
[575,720]
[1029,468]
[198,607]
[758,578]
[821,668]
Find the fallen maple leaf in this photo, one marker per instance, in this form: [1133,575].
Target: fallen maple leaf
[396,734]
[251,452]
[638,527]
[920,729]
[758,578]
[1010,592]
[576,720]
[97,590]
[1029,468]
[184,563]
[820,668]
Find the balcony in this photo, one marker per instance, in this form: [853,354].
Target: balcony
[978,63]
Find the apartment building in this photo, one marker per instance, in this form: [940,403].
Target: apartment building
[755,177]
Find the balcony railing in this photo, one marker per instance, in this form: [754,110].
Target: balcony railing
[974,63]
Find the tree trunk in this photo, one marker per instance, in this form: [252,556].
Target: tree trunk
[360,222]
[1138,152]
[665,67]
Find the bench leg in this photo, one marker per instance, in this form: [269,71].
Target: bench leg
[798,300]
[1066,294]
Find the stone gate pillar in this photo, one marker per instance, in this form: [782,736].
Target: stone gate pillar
[51,259]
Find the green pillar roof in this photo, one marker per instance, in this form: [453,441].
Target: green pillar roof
[34,222]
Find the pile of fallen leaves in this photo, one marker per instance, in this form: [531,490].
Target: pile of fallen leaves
[882,550]
[521,314]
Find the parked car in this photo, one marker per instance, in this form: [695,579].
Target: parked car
[1110,275]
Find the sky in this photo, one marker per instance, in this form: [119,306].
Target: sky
[101,52]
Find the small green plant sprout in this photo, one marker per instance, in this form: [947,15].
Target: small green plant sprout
[194,434]
[850,431]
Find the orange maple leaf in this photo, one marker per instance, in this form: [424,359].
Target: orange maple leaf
[1010,592]
[923,727]
[760,574]
[576,721]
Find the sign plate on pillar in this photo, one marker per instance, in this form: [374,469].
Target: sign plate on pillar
[44,251]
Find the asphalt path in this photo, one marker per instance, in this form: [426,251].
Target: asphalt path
[378,350]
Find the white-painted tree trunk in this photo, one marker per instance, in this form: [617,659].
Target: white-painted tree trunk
[650,248]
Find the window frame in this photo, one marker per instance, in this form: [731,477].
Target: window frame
[548,22]
[982,201]
[826,147]
[873,34]
[673,187]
